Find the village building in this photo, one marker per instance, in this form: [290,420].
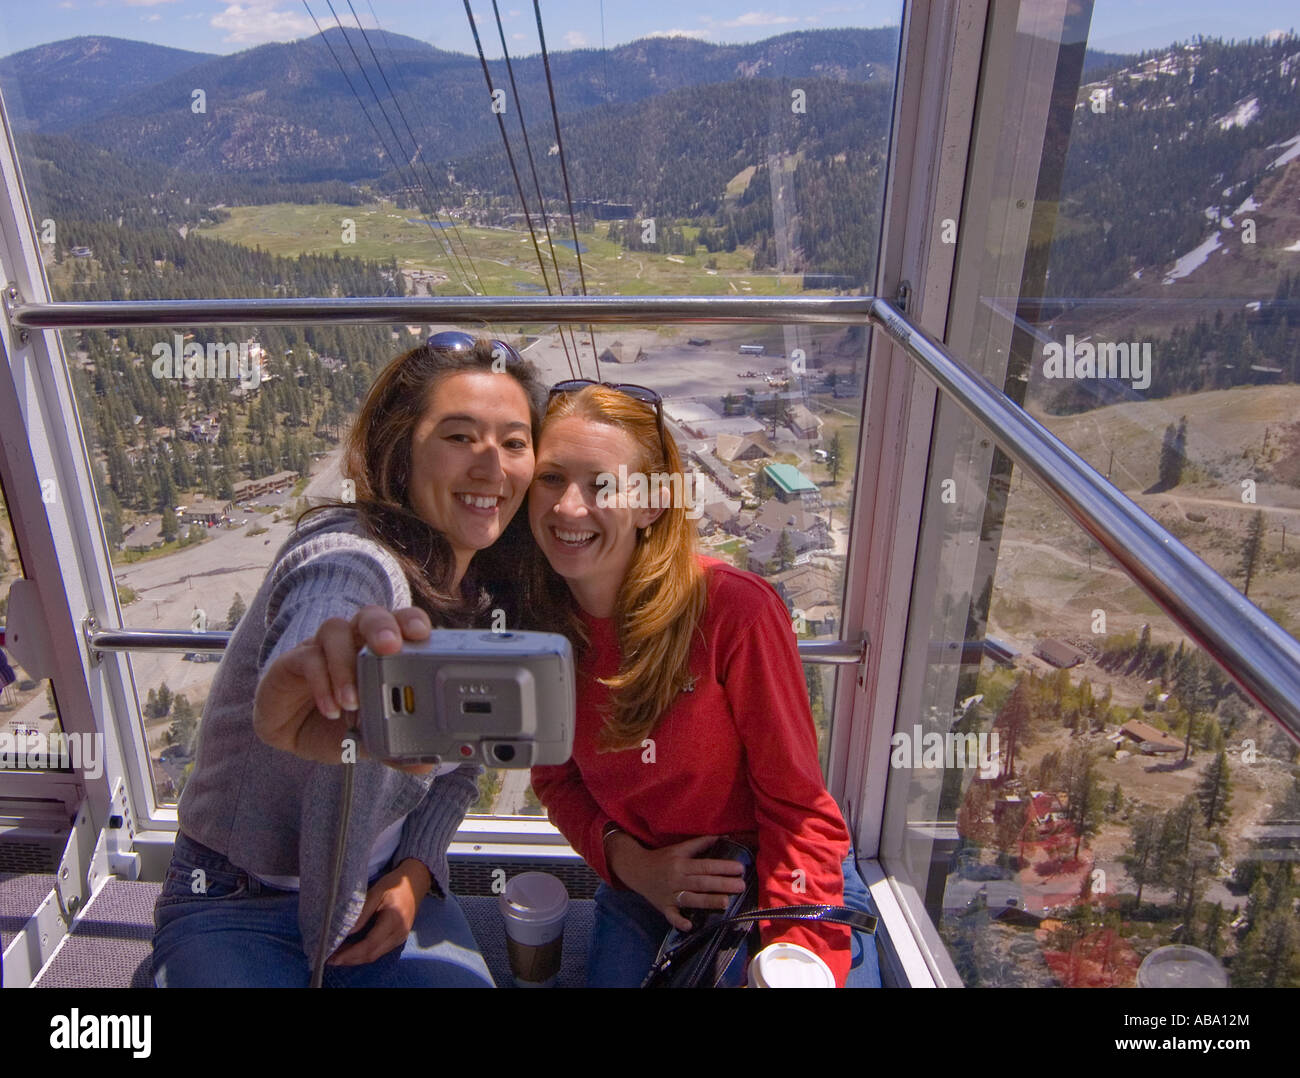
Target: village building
[204,511]
[1059,654]
[1150,741]
[752,446]
[618,352]
[791,483]
[804,423]
[254,488]
[720,474]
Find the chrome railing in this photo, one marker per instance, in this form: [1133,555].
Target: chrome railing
[1262,658]
[825,652]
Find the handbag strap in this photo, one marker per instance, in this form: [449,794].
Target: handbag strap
[835,915]
[839,915]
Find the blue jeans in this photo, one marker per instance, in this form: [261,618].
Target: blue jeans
[243,934]
[628,931]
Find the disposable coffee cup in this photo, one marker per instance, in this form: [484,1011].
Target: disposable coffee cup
[787,965]
[533,905]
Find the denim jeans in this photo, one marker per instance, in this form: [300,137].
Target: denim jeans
[628,931]
[243,933]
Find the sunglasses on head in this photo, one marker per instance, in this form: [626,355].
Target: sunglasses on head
[454,340]
[641,393]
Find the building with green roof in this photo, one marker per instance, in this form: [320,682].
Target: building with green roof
[791,483]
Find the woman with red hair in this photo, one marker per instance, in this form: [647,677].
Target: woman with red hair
[693,719]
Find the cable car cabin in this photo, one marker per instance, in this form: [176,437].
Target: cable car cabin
[1031,270]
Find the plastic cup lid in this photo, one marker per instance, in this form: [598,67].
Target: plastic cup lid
[1181,966]
[534,896]
[787,965]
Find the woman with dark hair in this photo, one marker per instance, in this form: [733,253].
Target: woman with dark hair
[441,456]
[693,719]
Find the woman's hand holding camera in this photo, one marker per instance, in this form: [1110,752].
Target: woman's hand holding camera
[302,695]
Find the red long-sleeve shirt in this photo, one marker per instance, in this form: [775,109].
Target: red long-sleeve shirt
[736,756]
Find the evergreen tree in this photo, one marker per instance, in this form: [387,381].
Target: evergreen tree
[1172,455]
[1143,858]
[1251,552]
[185,722]
[236,611]
[1214,792]
[1013,723]
[835,456]
[1084,797]
[784,551]
[1214,925]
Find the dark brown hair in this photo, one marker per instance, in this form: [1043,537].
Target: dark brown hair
[378,460]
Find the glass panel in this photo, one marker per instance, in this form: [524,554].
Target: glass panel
[1085,786]
[786,138]
[31,732]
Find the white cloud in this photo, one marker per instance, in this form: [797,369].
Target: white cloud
[151,18]
[754,18]
[260,21]
[576,39]
[147,3]
[516,37]
[68,5]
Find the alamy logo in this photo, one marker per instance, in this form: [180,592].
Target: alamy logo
[1105,359]
[176,359]
[32,751]
[658,490]
[936,750]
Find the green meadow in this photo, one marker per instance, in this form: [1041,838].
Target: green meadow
[503,259]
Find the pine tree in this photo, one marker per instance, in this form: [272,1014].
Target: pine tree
[1083,793]
[1013,723]
[236,611]
[784,551]
[835,456]
[1214,792]
[1172,455]
[1144,859]
[1251,551]
[185,722]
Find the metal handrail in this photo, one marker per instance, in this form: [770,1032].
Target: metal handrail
[459,310]
[824,652]
[1260,655]
[1255,651]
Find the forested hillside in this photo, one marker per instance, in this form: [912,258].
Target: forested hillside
[139,425]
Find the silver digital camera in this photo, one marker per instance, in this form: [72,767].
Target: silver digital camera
[501,699]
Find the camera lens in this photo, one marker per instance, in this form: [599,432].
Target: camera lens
[504,753]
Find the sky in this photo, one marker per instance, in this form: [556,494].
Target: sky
[221,27]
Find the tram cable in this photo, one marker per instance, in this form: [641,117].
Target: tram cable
[537,186]
[564,170]
[370,120]
[401,150]
[415,143]
[519,187]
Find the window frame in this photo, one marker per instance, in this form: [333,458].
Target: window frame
[942,62]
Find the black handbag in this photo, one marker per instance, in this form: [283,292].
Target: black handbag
[700,958]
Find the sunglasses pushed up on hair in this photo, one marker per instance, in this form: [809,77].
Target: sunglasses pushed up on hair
[644,394]
[454,340]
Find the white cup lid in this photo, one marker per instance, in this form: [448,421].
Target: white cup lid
[534,896]
[787,965]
